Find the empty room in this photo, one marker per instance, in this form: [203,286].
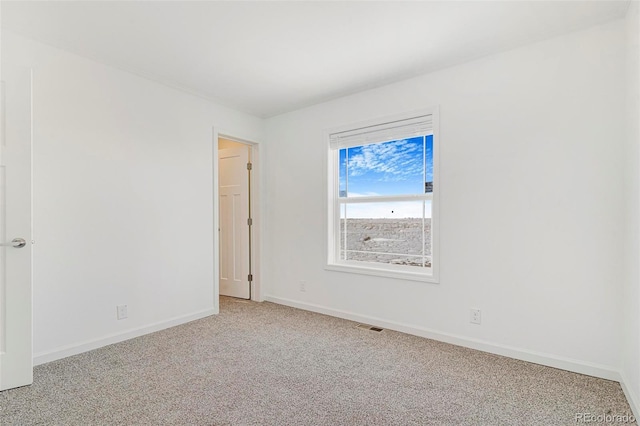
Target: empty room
[319,212]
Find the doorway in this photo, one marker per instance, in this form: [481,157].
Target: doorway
[235,236]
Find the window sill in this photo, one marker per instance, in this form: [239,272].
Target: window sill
[383,272]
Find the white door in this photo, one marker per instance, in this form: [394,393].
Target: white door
[234,226]
[16,360]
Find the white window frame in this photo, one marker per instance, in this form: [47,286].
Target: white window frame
[333,261]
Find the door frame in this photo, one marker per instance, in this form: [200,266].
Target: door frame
[257,291]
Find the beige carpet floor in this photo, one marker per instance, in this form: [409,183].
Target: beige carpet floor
[266,364]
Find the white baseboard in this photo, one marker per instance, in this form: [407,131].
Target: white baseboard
[577,366]
[632,398]
[77,348]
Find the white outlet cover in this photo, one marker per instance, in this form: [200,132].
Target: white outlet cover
[121,311]
[475,316]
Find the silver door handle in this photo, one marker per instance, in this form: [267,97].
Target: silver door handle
[16,242]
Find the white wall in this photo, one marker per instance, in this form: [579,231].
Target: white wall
[531,204]
[631,295]
[123,189]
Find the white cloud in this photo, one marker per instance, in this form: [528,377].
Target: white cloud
[363,194]
[393,160]
[387,210]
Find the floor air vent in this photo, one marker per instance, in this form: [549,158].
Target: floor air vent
[370,327]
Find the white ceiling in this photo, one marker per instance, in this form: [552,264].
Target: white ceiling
[266,58]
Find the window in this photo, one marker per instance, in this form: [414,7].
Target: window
[383,191]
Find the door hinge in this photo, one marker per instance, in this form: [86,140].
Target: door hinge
[250,277]
[249,166]
[249,221]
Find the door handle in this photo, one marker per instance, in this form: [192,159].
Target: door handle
[16,242]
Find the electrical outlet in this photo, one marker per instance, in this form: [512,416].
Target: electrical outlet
[303,286]
[475,316]
[122,311]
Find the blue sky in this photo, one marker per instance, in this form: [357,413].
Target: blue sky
[391,168]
